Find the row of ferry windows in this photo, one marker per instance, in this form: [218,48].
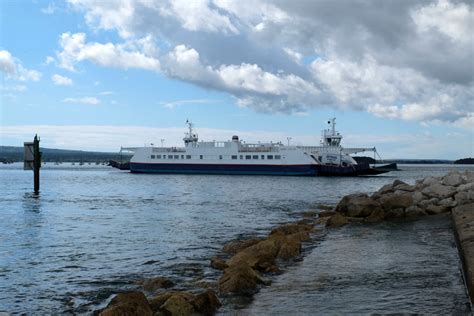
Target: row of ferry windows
[247,157]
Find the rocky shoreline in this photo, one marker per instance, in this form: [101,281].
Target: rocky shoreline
[247,264]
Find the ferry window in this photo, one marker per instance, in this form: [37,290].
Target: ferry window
[176,156]
[220,156]
[188,156]
[277,157]
[200,156]
[262,157]
[248,157]
[170,157]
[152,156]
[182,156]
[269,156]
[234,157]
[158,157]
[255,157]
[320,158]
[241,157]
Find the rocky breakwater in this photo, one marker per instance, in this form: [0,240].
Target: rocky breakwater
[453,193]
[250,259]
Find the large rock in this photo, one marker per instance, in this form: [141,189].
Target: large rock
[206,303]
[398,199]
[291,246]
[466,187]
[464,197]
[337,220]
[437,209]
[357,205]
[418,197]
[240,278]
[405,187]
[178,305]
[326,213]
[153,284]
[289,229]
[235,246]
[376,216]
[425,203]
[453,179]
[438,190]
[430,181]
[158,301]
[449,202]
[259,256]
[218,263]
[128,304]
[414,212]
[394,213]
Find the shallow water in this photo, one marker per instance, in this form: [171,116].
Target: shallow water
[95,230]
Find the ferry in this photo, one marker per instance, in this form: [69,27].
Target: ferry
[236,157]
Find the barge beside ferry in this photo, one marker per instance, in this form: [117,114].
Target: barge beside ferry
[235,157]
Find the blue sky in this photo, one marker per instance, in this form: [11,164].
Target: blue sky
[97,75]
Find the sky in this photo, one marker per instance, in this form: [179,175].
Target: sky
[101,74]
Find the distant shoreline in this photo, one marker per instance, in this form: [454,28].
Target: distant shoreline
[10,154]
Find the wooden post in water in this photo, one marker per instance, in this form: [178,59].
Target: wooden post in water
[32,160]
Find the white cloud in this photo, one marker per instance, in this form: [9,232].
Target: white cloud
[453,20]
[106,93]
[177,103]
[14,69]
[83,100]
[128,55]
[16,88]
[49,60]
[61,80]
[50,9]
[401,60]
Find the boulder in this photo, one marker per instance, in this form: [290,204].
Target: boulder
[399,199]
[289,229]
[128,304]
[337,220]
[206,303]
[405,187]
[218,263]
[425,203]
[466,187]
[464,197]
[388,188]
[430,181]
[376,216]
[449,202]
[438,190]
[452,179]
[326,213]
[436,209]
[158,301]
[397,183]
[418,197]
[178,304]
[291,247]
[357,205]
[151,285]
[309,214]
[414,212]
[260,255]
[240,279]
[238,245]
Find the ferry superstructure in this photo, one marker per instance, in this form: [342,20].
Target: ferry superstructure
[235,157]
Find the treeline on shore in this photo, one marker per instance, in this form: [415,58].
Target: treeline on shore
[369,160]
[9,154]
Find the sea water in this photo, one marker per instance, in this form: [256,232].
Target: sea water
[94,231]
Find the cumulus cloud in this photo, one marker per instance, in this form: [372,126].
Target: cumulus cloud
[13,68]
[177,103]
[402,60]
[83,100]
[61,80]
[127,55]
